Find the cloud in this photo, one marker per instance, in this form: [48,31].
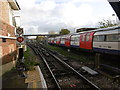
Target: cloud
[76,16]
[41,16]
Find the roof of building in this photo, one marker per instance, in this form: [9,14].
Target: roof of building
[85,29]
[14,4]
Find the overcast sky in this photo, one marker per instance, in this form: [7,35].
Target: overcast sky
[42,16]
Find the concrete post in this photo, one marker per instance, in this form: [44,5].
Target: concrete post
[97,60]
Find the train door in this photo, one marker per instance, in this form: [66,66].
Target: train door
[58,40]
[67,41]
[88,41]
[62,40]
[82,40]
[52,40]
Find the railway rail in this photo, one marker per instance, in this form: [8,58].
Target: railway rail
[64,76]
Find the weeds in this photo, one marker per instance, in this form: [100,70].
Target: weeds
[71,55]
[29,59]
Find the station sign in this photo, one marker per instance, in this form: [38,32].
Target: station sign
[20,39]
[19,30]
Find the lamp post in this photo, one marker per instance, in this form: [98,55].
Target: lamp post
[116,19]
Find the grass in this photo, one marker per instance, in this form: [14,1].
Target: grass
[29,59]
[71,55]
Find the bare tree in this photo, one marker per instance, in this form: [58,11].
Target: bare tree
[106,23]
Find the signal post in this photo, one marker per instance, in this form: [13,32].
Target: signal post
[20,42]
[20,66]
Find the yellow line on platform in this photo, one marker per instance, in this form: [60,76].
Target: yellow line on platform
[34,84]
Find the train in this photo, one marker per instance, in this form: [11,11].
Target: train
[103,40]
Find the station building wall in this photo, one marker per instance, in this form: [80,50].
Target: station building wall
[8,49]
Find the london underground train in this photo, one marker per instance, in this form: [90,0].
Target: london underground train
[104,40]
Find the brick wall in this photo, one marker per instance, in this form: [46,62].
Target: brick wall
[6,28]
[4,10]
[0,9]
[8,48]
[8,51]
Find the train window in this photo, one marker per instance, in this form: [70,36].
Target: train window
[99,38]
[77,38]
[74,38]
[88,37]
[102,38]
[95,38]
[112,38]
[83,37]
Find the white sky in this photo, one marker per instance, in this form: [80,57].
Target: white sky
[41,16]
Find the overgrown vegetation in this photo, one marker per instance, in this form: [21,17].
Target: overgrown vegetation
[71,55]
[29,59]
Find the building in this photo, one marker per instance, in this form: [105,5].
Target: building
[8,49]
[51,32]
[84,29]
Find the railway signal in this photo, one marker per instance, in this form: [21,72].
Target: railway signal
[19,35]
[19,31]
[20,39]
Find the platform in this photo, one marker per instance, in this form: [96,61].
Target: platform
[35,79]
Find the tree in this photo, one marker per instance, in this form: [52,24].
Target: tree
[64,32]
[107,23]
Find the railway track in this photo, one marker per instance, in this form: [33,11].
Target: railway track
[63,75]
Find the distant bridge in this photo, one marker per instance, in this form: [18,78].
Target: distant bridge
[41,35]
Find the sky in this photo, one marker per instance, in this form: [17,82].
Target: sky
[42,16]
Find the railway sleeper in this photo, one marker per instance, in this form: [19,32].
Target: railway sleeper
[54,52]
[111,69]
[43,49]
[108,75]
[89,70]
[59,74]
[46,54]
[65,59]
[52,66]
[36,51]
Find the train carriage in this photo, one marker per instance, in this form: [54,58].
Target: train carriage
[62,40]
[75,41]
[107,41]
